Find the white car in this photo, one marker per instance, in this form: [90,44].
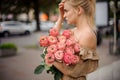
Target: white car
[44,25]
[15,27]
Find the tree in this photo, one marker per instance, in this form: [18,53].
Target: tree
[117,12]
[19,6]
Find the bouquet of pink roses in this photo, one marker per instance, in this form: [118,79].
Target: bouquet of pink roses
[58,47]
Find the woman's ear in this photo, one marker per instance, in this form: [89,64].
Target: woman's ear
[80,10]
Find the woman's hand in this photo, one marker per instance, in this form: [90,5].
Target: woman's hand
[61,10]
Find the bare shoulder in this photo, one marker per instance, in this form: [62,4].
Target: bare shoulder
[88,39]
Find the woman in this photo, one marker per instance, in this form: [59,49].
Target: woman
[81,14]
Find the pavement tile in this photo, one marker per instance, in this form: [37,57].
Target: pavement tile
[109,72]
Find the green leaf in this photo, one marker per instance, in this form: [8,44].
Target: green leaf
[47,67]
[39,69]
[52,70]
[43,56]
[58,75]
[42,63]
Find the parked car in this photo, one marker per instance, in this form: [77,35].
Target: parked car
[44,25]
[14,27]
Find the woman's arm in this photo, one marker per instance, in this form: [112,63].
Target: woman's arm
[65,69]
[58,24]
[61,68]
[81,69]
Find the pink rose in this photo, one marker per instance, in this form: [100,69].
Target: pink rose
[69,49]
[52,40]
[75,59]
[49,59]
[44,41]
[62,39]
[59,55]
[61,46]
[76,47]
[68,58]
[52,49]
[54,32]
[70,41]
[67,33]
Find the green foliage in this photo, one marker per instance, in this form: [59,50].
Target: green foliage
[58,75]
[8,46]
[48,5]
[20,6]
[39,69]
[43,55]
[56,72]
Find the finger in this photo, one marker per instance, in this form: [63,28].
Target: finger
[61,3]
[60,6]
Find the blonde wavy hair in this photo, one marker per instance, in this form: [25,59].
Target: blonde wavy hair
[88,7]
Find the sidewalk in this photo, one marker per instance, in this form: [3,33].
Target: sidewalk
[21,67]
[109,72]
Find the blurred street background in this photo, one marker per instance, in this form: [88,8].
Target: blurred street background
[22,23]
